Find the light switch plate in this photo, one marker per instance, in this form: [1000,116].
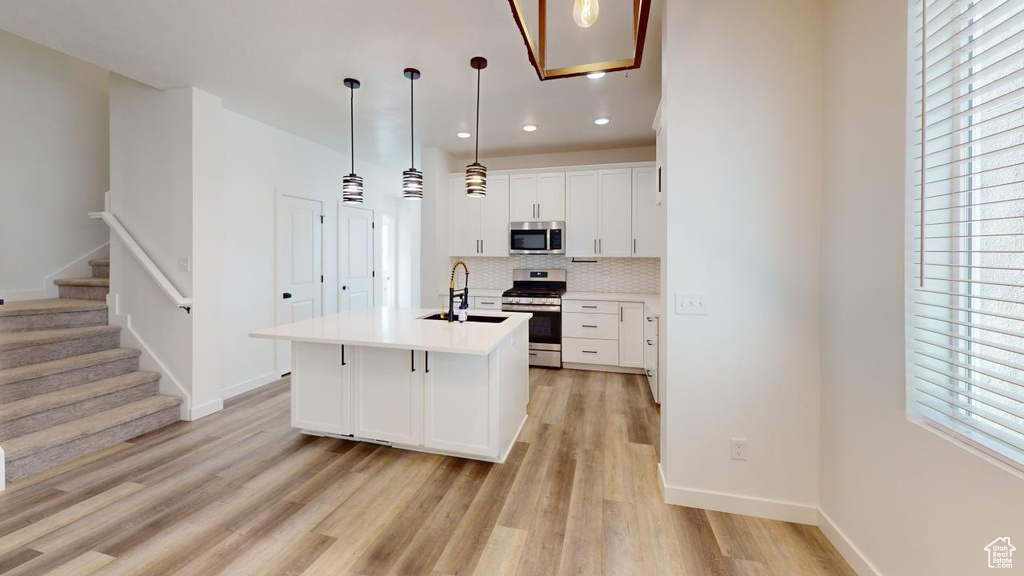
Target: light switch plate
[185,264]
[691,304]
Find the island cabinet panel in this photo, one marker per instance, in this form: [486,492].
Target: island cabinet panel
[387,389]
[460,404]
[321,389]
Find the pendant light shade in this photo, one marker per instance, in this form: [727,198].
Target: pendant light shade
[412,179]
[352,185]
[476,173]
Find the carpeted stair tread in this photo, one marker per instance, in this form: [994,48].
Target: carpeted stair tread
[18,340]
[67,396]
[90,282]
[99,262]
[27,445]
[49,306]
[33,371]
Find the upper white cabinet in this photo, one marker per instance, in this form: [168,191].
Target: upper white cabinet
[648,216]
[599,207]
[480,225]
[537,197]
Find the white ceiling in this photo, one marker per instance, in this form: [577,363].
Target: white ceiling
[283,62]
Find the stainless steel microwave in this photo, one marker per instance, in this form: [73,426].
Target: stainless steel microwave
[536,238]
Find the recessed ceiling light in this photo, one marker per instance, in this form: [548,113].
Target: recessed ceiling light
[529,128]
[463,135]
[595,75]
[602,120]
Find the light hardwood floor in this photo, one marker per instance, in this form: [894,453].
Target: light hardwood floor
[240,492]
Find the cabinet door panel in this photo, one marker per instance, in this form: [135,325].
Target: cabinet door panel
[494,220]
[523,198]
[648,217]
[388,395]
[321,389]
[616,209]
[458,404]
[466,214]
[631,335]
[551,196]
[581,214]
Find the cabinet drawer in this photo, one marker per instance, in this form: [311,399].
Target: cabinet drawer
[599,326]
[590,307]
[588,351]
[487,303]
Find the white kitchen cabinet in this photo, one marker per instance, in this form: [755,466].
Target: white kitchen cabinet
[387,393]
[651,353]
[648,216]
[615,206]
[480,225]
[486,302]
[465,219]
[599,206]
[321,389]
[581,213]
[494,217]
[631,335]
[453,395]
[537,197]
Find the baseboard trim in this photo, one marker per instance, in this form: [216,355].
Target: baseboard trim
[739,504]
[602,368]
[251,384]
[77,268]
[203,410]
[853,555]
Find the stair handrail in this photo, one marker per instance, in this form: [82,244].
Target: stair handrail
[140,255]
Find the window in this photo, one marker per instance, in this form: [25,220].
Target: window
[965,228]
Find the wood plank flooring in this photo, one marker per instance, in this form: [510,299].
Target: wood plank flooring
[240,492]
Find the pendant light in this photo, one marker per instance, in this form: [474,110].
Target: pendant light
[412,179]
[352,185]
[476,173]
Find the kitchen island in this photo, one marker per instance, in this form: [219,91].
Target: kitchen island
[394,376]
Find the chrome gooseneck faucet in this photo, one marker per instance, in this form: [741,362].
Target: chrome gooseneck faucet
[464,291]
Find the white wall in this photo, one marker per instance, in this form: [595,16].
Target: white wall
[435,221]
[54,165]
[912,502]
[743,103]
[262,162]
[151,193]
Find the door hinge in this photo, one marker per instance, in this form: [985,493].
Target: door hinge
[321,218]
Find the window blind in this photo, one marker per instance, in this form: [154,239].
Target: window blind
[965,256]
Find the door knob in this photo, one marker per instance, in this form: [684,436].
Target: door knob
[286,295]
[344,287]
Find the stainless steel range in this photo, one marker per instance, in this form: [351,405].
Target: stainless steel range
[539,292]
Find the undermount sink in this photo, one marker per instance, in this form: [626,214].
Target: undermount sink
[470,318]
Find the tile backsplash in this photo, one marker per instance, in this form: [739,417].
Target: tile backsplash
[629,275]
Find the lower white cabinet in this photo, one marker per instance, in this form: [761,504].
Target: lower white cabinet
[651,353]
[485,303]
[590,351]
[453,395]
[387,394]
[631,335]
[321,389]
[603,333]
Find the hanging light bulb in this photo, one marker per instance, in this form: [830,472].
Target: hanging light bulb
[412,179]
[585,12]
[476,173]
[352,185]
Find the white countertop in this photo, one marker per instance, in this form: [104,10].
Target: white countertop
[400,328]
[653,301]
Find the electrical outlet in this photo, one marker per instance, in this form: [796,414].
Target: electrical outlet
[691,304]
[185,264]
[739,449]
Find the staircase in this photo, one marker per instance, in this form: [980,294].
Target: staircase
[67,388]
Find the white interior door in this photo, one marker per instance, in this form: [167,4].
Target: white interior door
[355,258]
[299,266]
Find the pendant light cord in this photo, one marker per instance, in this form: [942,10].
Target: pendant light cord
[412,121]
[352,124]
[477,153]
